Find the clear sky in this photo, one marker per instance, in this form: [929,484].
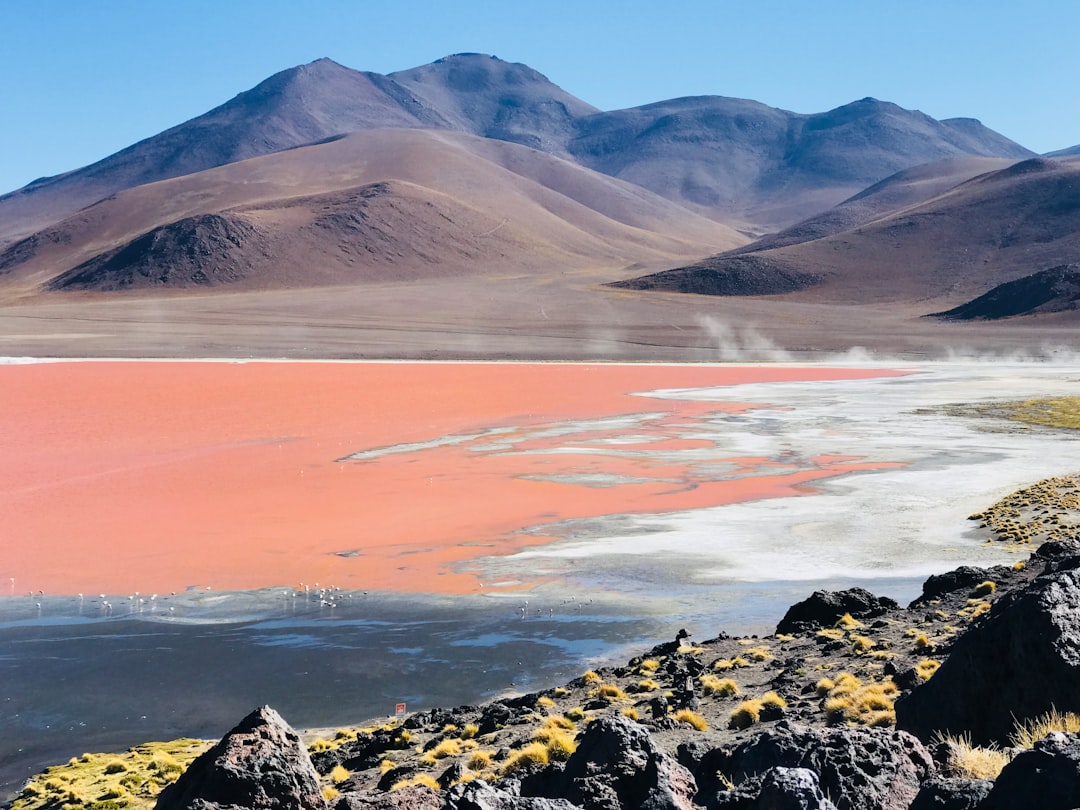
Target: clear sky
[80,79]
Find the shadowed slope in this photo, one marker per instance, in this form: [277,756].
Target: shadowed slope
[1052,290]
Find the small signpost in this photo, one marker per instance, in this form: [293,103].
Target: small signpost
[399,710]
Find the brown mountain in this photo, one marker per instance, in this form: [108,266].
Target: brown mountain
[994,228]
[734,160]
[384,205]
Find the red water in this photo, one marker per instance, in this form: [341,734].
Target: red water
[155,476]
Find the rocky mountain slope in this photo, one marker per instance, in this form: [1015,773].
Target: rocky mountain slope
[993,228]
[730,158]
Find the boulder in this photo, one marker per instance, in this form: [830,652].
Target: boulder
[616,767]
[963,578]
[1019,662]
[481,795]
[259,764]
[1047,776]
[824,608]
[413,797]
[939,793]
[857,768]
[791,789]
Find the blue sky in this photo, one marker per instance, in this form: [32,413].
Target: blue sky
[80,79]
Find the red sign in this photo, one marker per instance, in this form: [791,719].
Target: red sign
[399,710]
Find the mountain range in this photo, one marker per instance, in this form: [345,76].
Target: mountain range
[476,172]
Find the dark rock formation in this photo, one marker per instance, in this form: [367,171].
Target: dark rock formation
[858,768]
[260,764]
[414,797]
[1023,660]
[824,608]
[1051,290]
[791,789]
[1047,777]
[480,795]
[962,578]
[616,766]
[938,793]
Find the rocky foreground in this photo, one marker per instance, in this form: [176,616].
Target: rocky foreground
[855,702]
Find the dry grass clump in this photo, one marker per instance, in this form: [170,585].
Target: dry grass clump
[645,685]
[533,754]
[850,700]
[690,649]
[339,773]
[830,633]
[545,701]
[560,691]
[926,668]
[984,588]
[445,748]
[760,653]
[724,664]
[648,665]
[610,692]
[721,687]
[425,779]
[591,677]
[861,644]
[469,731]
[479,760]
[576,714]
[747,713]
[1029,732]
[691,718]
[630,712]
[329,792]
[972,761]
[849,622]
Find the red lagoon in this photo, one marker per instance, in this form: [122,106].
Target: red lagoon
[159,476]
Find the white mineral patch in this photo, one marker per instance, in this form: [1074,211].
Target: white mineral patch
[867,526]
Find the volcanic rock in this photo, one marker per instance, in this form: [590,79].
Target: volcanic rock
[1048,774]
[616,766]
[260,765]
[824,608]
[939,793]
[1022,661]
[858,768]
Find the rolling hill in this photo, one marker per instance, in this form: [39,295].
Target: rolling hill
[378,205]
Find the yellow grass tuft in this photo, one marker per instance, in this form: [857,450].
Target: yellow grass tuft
[861,644]
[645,685]
[630,712]
[339,773]
[771,698]
[535,753]
[648,665]
[545,701]
[724,664]
[1029,732]
[479,760]
[330,793]
[425,779]
[830,633]
[851,700]
[972,761]
[446,748]
[849,622]
[760,654]
[747,713]
[610,692]
[591,677]
[985,588]
[926,668]
[721,687]
[469,731]
[691,718]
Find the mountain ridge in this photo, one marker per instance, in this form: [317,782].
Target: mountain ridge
[703,152]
